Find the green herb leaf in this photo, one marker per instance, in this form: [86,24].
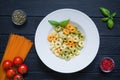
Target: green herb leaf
[114,14]
[111,17]
[110,23]
[54,23]
[105,11]
[64,23]
[105,19]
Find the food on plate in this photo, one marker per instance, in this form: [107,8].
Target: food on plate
[107,64]
[18,61]
[23,69]
[7,64]
[56,23]
[66,41]
[17,46]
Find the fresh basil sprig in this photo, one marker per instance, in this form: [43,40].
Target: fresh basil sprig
[108,17]
[110,23]
[114,14]
[56,24]
[64,23]
[105,11]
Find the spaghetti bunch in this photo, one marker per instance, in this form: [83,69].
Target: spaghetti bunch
[17,46]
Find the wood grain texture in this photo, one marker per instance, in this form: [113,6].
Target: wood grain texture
[36,67]
[32,23]
[43,7]
[108,45]
[36,10]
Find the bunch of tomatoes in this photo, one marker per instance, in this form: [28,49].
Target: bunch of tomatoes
[15,69]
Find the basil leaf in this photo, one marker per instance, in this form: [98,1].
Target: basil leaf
[114,14]
[105,11]
[105,19]
[54,23]
[64,23]
[110,23]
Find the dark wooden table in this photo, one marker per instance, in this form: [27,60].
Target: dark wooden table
[37,9]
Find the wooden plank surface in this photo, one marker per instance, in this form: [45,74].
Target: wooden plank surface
[37,9]
[43,7]
[108,45]
[32,23]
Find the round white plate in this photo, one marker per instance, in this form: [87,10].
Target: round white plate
[88,53]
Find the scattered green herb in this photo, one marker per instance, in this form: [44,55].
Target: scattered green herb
[108,17]
[114,14]
[105,19]
[110,23]
[105,11]
[56,24]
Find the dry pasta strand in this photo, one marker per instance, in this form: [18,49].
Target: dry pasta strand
[17,46]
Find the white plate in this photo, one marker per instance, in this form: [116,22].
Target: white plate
[88,53]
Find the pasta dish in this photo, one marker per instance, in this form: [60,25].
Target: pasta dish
[67,41]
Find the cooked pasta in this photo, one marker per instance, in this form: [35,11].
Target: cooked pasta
[66,42]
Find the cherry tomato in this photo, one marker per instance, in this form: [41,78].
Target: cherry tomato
[23,69]
[18,61]
[10,73]
[7,64]
[18,77]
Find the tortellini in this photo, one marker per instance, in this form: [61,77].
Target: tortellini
[66,42]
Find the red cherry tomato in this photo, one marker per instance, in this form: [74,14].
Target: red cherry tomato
[10,73]
[23,69]
[18,77]
[18,61]
[7,64]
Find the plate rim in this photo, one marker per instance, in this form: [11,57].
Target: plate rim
[90,22]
